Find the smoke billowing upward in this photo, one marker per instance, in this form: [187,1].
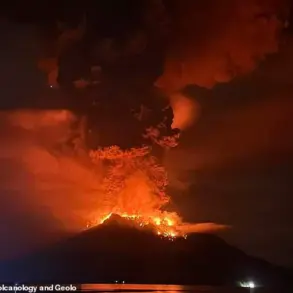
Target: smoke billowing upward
[48,188]
[214,41]
[206,43]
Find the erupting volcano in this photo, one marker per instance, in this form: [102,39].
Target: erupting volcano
[135,185]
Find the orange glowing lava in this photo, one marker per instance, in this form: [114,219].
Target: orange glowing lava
[164,224]
[135,189]
[135,184]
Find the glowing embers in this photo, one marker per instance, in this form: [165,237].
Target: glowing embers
[116,153]
[135,187]
[133,179]
[134,191]
[165,141]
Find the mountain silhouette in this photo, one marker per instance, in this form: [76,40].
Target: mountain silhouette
[117,251]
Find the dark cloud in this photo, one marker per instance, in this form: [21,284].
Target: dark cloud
[214,41]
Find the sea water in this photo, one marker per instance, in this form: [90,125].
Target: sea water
[139,288]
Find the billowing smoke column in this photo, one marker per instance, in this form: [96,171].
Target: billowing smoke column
[215,41]
[204,43]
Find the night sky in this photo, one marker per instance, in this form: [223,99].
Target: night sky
[235,163]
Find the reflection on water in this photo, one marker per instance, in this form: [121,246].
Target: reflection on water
[139,288]
[133,288]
